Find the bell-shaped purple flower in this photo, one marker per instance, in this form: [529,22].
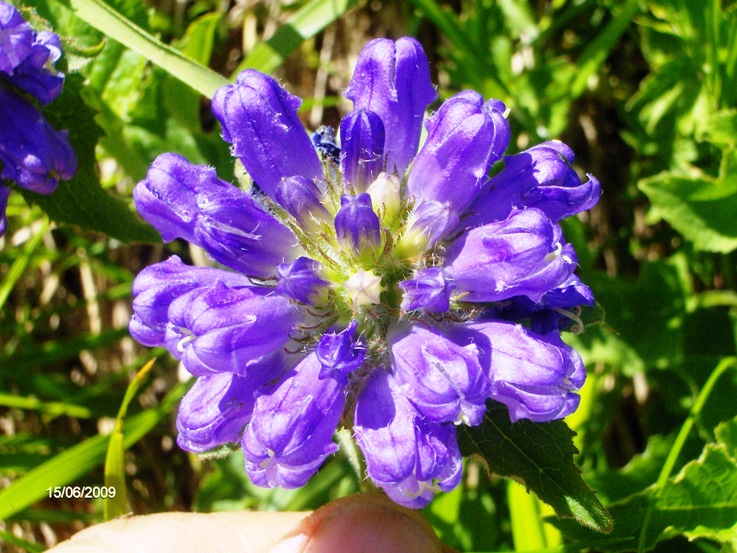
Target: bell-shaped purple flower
[182,200]
[427,290]
[214,412]
[356,224]
[443,380]
[302,199]
[290,434]
[409,457]
[167,198]
[236,231]
[522,255]
[16,38]
[362,154]
[35,74]
[259,119]
[393,81]
[32,152]
[300,280]
[158,285]
[339,353]
[221,329]
[540,177]
[536,376]
[465,137]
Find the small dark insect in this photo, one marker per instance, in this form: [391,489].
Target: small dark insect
[324,141]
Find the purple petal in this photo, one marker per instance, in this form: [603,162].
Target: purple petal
[536,376]
[259,119]
[236,231]
[214,412]
[16,38]
[522,255]
[222,329]
[465,137]
[182,200]
[427,290]
[339,353]
[443,380]
[35,74]
[362,142]
[555,311]
[393,80]
[540,177]
[32,152]
[158,285]
[290,434]
[410,458]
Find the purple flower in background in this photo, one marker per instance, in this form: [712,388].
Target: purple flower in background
[32,153]
[371,283]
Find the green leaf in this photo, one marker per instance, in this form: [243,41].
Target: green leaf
[721,128]
[309,20]
[701,208]
[701,501]
[81,201]
[540,456]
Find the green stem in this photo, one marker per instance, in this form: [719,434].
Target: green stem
[675,451]
[353,453]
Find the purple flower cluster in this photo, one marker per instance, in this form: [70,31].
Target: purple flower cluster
[368,282]
[32,153]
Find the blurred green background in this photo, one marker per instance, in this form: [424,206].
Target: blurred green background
[644,92]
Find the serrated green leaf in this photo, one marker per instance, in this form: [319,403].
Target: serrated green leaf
[539,455]
[701,501]
[81,201]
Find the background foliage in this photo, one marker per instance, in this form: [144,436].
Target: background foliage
[645,93]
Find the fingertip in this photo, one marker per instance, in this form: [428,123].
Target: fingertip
[363,523]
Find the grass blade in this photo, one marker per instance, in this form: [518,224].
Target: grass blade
[117,505]
[105,19]
[21,263]
[74,463]
[306,22]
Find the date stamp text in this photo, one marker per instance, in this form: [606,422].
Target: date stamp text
[81,492]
